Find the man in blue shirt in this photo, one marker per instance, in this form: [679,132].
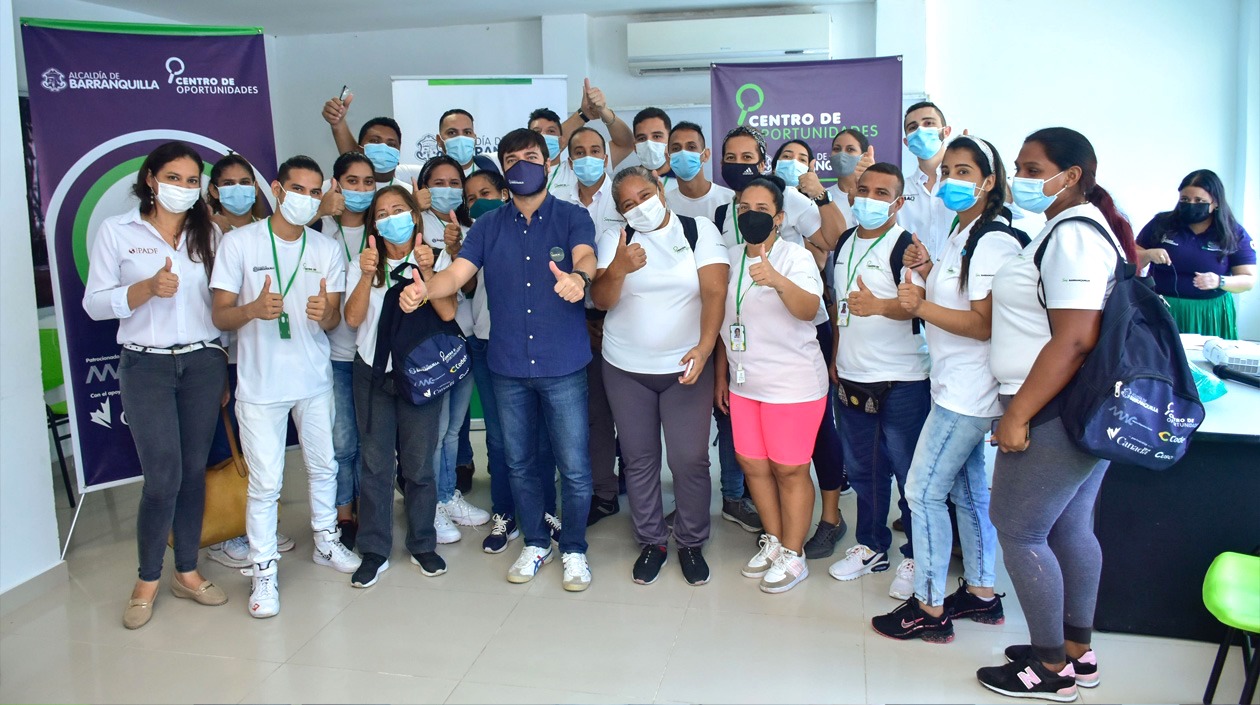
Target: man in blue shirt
[539,257]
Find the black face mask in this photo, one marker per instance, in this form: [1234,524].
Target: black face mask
[1191,213]
[737,176]
[755,227]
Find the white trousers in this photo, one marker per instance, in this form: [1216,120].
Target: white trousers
[263,430]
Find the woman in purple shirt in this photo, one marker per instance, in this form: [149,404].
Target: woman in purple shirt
[1199,254]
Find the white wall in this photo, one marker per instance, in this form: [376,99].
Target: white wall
[28,544]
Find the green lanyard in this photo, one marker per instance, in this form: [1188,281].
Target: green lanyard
[341,232]
[284,290]
[739,284]
[852,266]
[553,175]
[739,239]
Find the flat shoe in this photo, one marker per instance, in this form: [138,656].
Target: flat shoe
[138,613]
[206,594]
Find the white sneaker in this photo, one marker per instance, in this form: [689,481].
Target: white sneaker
[532,558]
[902,586]
[264,599]
[463,513]
[760,564]
[447,532]
[330,551]
[577,572]
[789,569]
[858,561]
[233,553]
[284,544]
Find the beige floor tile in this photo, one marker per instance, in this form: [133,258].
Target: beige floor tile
[611,562]
[71,614]
[916,671]
[1145,669]
[469,692]
[292,683]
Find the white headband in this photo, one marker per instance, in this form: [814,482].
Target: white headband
[982,146]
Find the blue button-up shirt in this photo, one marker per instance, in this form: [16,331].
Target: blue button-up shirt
[535,332]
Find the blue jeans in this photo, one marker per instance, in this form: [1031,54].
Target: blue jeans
[949,462]
[732,475]
[454,411]
[345,433]
[560,403]
[894,433]
[496,458]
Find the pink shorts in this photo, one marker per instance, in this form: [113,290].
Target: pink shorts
[784,433]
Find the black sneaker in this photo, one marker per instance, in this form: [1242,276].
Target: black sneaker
[463,477]
[898,526]
[909,621]
[349,528]
[1086,667]
[431,564]
[962,604]
[742,512]
[1027,678]
[823,543]
[649,564]
[602,508]
[694,568]
[552,523]
[369,570]
[503,530]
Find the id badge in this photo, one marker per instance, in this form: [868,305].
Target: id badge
[284,327]
[842,314]
[739,374]
[738,342]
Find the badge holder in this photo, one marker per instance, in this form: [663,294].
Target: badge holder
[842,314]
[284,327]
[738,342]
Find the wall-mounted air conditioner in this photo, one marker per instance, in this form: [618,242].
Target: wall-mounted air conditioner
[673,46]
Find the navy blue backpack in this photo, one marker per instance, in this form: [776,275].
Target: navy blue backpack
[429,355]
[1134,400]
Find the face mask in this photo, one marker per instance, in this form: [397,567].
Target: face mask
[482,206]
[845,163]
[790,171]
[177,199]
[238,199]
[737,176]
[384,158]
[924,142]
[958,195]
[526,178]
[588,169]
[298,208]
[1191,213]
[647,216]
[461,149]
[357,201]
[870,213]
[1030,194]
[553,146]
[651,154]
[755,227]
[397,228]
[685,165]
[446,199]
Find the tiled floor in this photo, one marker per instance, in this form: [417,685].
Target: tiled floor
[471,637]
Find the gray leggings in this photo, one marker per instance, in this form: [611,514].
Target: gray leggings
[1042,507]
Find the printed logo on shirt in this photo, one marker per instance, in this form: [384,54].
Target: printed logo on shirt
[1212,247]
[1077,281]
[873,265]
[142,251]
[263,268]
[309,268]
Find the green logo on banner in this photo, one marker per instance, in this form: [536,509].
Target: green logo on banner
[744,109]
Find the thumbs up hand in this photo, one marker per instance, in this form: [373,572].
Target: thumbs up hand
[317,305]
[593,101]
[332,202]
[424,256]
[453,235]
[424,199]
[335,110]
[763,273]
[414,294]
[809,183]
[629,258]
[165,283]
[862,302]
[569,286]
[369,258]
[868,158]
[909,296]
[269,305]
[916,256]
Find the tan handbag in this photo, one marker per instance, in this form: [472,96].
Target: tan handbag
[227,487]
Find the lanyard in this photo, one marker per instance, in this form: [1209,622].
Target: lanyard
[739,284]
[553,174]
[341,232]
[284,290]
[739,239]
[852,266]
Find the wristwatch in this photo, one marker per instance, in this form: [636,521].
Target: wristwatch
[586,281]
[824,199]
[584,116]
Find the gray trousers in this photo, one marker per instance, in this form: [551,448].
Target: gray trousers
[603,437]
[394,433]
[643,406]
[1042,506]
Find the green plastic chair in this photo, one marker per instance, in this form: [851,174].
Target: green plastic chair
[1231,592]
[58,414]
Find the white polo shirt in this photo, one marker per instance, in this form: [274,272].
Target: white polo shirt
[961,379]
[351,241]
[602,208]
[127,249]
[875,348]
[841,199]
[366,332]
[783,363]
[271,369]
[657,319]
[703,207]
[561,181]
[923,213]
[1077,272]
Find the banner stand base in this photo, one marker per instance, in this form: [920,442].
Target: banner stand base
[75,520]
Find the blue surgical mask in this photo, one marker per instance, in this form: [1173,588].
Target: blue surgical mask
[685,165]
[384,158]
[553,146]
[790,171]
[588,169]
[870,213]
[397,228]
[238,199]
[446,199]
[924,142]
[357,201]
[957,195]
[1030,194]
[461,149]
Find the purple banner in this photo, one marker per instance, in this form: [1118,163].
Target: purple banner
[811,101]
[102,97]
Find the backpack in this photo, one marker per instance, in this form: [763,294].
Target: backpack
[904,241]
[690,231]
[429,355]
[1134,400]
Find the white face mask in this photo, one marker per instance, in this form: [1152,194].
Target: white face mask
[177,199]
[651,154]
[298,208]
[647,216]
